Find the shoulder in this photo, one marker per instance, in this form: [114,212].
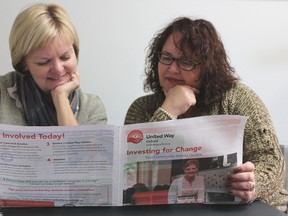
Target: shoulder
[242,100]
[142,109]
[90,102]
[91,109]
[243,93]
[147,98]
[8,80]
[178,180]
[149,101]
[241,97]
[86,98]
[241,90]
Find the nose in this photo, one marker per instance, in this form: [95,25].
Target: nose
[57,66]
[173,68]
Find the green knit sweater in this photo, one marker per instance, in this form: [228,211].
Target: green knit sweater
[260,145]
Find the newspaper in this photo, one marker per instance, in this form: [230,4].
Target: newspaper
[108,165]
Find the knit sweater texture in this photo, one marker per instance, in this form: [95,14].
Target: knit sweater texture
[260,142]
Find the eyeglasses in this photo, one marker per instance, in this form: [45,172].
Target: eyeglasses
[182,63]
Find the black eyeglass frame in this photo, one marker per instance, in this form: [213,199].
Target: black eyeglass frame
[193,64]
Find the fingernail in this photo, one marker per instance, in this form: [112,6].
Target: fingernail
[237,169]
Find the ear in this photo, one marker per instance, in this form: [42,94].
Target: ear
[25,68]
[21,66]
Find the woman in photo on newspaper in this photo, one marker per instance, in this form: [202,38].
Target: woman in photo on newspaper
[44,88]
[190,75]
[188,188]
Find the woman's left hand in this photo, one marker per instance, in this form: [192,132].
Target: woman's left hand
[242,182]
[68,87]
[65,115]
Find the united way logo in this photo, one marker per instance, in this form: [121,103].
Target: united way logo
[135,136]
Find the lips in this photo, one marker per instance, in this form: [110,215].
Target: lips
[174,81]
[59,80]
[53,78]
[63,77]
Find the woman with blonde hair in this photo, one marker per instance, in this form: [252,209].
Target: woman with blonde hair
[189,188]
[44,88]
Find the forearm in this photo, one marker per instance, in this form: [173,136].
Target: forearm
[260,144]
[65,116]
[133,116]
[269,174]
[262,148]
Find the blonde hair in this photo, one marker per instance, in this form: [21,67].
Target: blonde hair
[36,26]
[190,162]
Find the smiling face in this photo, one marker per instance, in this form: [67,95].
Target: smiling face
[52,65]
[172,75]
[190,171]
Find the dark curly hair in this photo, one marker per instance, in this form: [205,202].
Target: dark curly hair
[202,40]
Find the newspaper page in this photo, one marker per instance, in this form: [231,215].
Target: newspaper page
[58,166]
[181,161]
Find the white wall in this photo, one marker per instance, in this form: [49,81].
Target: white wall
[115,33]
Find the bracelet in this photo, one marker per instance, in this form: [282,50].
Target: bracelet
[166,113]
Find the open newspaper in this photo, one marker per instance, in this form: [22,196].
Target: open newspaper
[107,165]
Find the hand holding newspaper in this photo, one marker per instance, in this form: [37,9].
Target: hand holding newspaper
[106,165]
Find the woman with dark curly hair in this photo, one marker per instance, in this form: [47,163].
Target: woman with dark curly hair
[189,73]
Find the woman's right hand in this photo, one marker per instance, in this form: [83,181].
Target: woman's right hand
[179,99]
[67,88]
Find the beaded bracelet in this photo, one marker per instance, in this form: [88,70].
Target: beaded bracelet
[166,113]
